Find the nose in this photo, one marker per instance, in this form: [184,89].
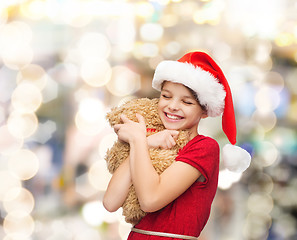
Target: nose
[173,105]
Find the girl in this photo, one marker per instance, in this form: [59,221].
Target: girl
[178,201]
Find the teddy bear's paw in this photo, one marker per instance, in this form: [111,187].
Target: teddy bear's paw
[133,215]
[134,219]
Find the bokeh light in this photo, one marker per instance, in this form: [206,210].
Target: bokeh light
[210,13]
[99,176]
[124,229]
[106,143]
[14,45]
[144,9]
[257,225]
[24,164]
[64,64]
[123,81]
[34,9]
[269,154]
[3,15]
[267,99]
[33,74]
[18,199]
[9,144]
[10,183]
[267,120]
[2,115]
[290,81]
[94,45]
[260,203]
[15,34]
[261,183]
[96,72]
[22,125]
[94,213]
[26,98]
[151,32]
[18,225]
[90,118]
[121,33]
[18,57]
[50,91]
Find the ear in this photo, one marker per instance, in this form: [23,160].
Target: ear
[204,114]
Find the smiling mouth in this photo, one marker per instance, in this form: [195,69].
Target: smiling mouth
[173,117]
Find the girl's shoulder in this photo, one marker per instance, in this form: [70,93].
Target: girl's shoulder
[203,153]
[201,146]
[202,141]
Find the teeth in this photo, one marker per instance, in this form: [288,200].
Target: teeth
[172,117]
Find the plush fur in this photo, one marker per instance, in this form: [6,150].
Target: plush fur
[161,158]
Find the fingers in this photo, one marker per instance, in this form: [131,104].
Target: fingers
[140,119]
[168,144]
[116,128]
[174,134]
[124,118]
[170,139]
[129,129]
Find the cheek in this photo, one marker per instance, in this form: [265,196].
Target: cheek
[160,105]
[194,114]
[159,109]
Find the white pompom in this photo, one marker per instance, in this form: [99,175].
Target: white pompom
[235,158]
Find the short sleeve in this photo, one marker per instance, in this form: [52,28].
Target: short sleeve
[203,154]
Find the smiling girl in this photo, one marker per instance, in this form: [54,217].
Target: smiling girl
[178,201]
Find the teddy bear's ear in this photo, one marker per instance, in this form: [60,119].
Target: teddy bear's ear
[130,109]
[148,108]
[113,116]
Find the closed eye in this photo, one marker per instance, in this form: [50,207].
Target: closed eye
[188,103]
[165,96]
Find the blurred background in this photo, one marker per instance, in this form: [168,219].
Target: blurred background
[65,63]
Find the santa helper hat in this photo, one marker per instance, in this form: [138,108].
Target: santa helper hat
[198,71]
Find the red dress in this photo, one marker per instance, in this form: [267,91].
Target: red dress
[188,214]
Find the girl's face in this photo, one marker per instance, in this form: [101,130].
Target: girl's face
[178,108]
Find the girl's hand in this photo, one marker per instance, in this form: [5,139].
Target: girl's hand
[129,130]
[164,139]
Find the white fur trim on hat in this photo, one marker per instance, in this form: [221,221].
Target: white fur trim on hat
[235,158]
[210,92]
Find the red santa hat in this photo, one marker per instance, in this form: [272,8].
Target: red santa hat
[198,71]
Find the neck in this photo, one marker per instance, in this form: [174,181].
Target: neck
[193,134]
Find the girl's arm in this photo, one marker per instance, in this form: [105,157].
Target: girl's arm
[153,191]
[118,187]
[164,139]
[120,182]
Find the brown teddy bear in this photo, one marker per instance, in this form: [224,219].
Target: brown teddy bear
[161,158]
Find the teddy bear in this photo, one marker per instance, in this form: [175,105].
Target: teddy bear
[161,158]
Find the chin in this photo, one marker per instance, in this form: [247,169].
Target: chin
[172,127]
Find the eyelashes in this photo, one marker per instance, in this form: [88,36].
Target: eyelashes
[185,102]
[188,103]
